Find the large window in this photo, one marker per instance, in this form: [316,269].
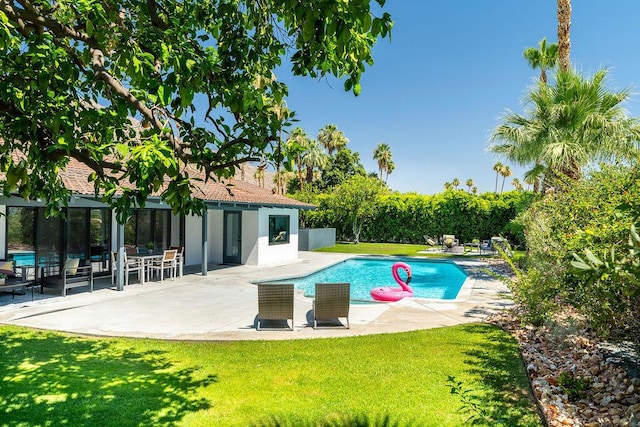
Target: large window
[148,229]
[278,229]
[21,242]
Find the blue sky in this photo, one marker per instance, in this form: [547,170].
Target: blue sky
[450,71]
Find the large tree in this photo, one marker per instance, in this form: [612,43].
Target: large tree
[382,154]
[295,148]
[543,58]
[140,91]
[354,201]
[314,157]
[567,125]
[332,139]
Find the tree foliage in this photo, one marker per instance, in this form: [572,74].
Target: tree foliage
[592,219]
[140,91]
[567,125]
[354,202]
[406,218]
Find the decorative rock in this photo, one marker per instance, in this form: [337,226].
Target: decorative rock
[612,398]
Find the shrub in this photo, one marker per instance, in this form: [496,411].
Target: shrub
[595,213]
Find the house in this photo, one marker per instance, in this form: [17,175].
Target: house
[243,224]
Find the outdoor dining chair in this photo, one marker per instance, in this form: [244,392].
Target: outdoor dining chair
[275,302]
[167,262]
[130,266]
[331,302]
[179,259]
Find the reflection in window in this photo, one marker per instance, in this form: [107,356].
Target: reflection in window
[21,244]
[147,230]
[278,229]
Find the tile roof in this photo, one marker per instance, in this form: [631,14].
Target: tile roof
[75,178]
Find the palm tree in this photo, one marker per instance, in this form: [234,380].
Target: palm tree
[544,58]
[516,184]
[497,168]
[390,168]
[259,175]
[505,172]
[296,146]
[469,184]
[455,183]
[282,113]
[474,190]
[564,39]
[314,157]
[529,180]
[566,126]
[382,154]
[448,186]
[332,139]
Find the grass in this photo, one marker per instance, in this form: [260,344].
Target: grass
[398,249]
[391,379]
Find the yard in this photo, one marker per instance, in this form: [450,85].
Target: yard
[391,379]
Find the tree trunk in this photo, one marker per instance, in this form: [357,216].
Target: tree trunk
[300,172]
[309,174]
[564,40]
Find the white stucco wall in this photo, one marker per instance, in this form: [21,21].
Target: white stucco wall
[193,240]
[269,254]
[216,227]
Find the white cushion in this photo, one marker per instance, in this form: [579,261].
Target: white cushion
[72,265]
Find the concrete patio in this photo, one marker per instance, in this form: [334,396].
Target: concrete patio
[223,306]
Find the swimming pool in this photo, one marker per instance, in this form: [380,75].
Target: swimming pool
[431,279]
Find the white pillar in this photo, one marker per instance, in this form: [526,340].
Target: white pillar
[120,260]
[205,241]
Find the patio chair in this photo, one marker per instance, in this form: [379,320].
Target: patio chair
[179,259]
[449,241]
[430,241]
[167,262]
[130,266]
[331,302]
[275,302]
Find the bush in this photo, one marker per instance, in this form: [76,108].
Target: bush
[595,213]
[406,218]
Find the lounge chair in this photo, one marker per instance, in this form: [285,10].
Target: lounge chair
[331,302]
[449,241]
[430,241]
[275,302]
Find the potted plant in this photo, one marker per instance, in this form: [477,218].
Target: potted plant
[150,247]
[2,278]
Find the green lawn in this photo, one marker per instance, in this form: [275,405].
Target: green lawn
[378,249]
[392,379]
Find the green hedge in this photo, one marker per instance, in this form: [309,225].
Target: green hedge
[406,218]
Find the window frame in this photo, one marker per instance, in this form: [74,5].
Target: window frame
[275,225]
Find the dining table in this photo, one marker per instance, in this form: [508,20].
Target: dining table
[145,261]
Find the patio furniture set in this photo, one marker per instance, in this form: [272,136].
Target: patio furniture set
[148,265]
[72,275]
[331,303]
[449,243]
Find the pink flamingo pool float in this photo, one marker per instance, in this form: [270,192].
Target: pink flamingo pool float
[392,293]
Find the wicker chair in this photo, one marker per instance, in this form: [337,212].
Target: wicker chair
[275,302]
[331,302]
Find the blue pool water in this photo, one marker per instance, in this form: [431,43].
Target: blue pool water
[24,258]
[431,279]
